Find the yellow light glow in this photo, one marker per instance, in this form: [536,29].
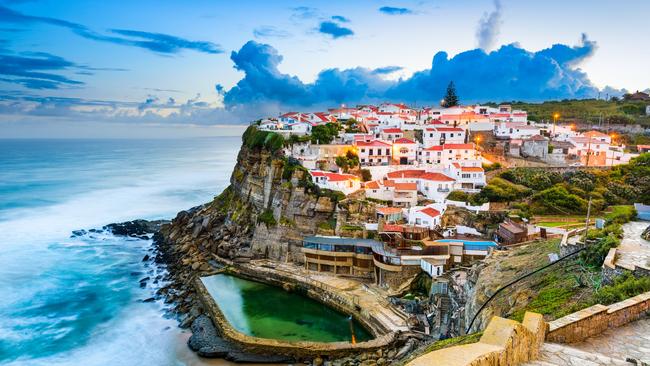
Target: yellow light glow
[556,115]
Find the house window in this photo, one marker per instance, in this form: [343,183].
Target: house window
[387,151]
[363,150]
[371,152]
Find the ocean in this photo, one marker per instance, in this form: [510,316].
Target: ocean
[77,300]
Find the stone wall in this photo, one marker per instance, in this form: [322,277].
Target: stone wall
[504,342]
[596,319]
[296,349]
[610,269]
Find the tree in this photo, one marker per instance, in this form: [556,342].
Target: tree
[348,161]
[366,175]
[451,99]
[324,134]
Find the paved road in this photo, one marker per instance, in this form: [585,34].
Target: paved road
[633,250]
[613,347]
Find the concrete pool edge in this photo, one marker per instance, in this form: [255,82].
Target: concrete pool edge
[297,349]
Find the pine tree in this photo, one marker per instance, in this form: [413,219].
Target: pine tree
[451,99]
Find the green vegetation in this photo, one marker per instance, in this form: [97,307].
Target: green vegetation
[542,192]
[267,218]
[348,161]
[366,176]
[284,221]
[491,167]
[451,99]
[324,134]
[624,287]
[327,225]
[587,110]
[256,139]
[456,341]
[351,228]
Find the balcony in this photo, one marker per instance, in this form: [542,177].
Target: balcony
[444,190]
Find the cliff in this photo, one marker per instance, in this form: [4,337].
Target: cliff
[269,206]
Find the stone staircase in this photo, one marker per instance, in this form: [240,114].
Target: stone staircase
[563,355]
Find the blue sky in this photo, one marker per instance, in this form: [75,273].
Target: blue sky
[66,64]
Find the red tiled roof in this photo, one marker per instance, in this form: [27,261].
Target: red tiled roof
[392,130]
[410,173]
[372,143]
[372,185]
[445,129]
[451,147]
[430,212]
[389,210]
[406,187]
[471,169]
[335,177]
[437,177]
[404,140]
[393,228]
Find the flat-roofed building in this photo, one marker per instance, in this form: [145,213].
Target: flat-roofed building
[341,256]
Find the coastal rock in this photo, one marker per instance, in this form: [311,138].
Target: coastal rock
[242,357]
[204,334]
[135,228]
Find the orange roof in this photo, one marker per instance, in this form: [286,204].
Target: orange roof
[335,177]
[411,173]
[437,177]
[393,130]
[430,212]
[471,169]
[389,210]
[394,228]
[406,187]
[595,134]
[372,185]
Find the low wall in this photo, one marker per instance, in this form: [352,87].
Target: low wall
[610,269]
[596,319]
[504,342]
[297,349]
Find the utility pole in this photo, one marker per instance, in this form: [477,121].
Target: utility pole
[587,221]
[588,151]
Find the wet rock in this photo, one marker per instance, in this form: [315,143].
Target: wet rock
[151,299]
[317,361]
[238,356]
[145,258]
[204,334]
[78,233]
[135,228]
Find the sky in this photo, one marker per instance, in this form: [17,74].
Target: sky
[109,68]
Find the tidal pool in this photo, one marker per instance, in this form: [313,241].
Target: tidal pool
[266,311]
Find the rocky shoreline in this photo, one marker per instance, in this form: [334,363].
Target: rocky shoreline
[177,292]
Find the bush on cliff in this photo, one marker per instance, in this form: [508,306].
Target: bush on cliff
[256,139]
[501,190]
[267,218]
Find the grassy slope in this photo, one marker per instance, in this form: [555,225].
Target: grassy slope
[554,292]
[585,110]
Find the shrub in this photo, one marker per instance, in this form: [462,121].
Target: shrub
[256,139]
[595,254]
[501,190]
[532,178]
[267,218]
[366,175]
[491,167]
[558,200]
[621,214]
[624,287]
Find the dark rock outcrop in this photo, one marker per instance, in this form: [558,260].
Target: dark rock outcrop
[135,228]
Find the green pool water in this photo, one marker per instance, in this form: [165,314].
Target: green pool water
[266,311]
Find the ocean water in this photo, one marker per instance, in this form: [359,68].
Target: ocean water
[77,300]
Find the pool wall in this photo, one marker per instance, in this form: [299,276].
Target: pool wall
[297,349]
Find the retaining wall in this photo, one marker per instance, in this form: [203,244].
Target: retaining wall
[298,349]
[596,319]
[504,342]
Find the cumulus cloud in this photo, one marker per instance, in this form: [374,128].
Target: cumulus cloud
[509,73]
[334,30]
[156,42]
[488,28]
[391,10]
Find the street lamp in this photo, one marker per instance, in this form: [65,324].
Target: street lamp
[555,117]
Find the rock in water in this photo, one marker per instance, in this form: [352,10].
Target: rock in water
[135,228]
[646,233]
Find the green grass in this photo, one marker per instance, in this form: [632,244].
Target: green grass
[456,341]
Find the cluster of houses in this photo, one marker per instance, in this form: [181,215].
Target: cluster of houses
[412,159]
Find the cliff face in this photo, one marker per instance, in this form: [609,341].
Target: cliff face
[260,215]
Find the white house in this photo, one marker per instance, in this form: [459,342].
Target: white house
[346,183]
[400,194]
[427,217]
[375,152]
[390,134]
[448,153]
[469,178]
[405,151]
[432,136]
[515,130]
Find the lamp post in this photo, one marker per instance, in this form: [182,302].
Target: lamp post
[555,117]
